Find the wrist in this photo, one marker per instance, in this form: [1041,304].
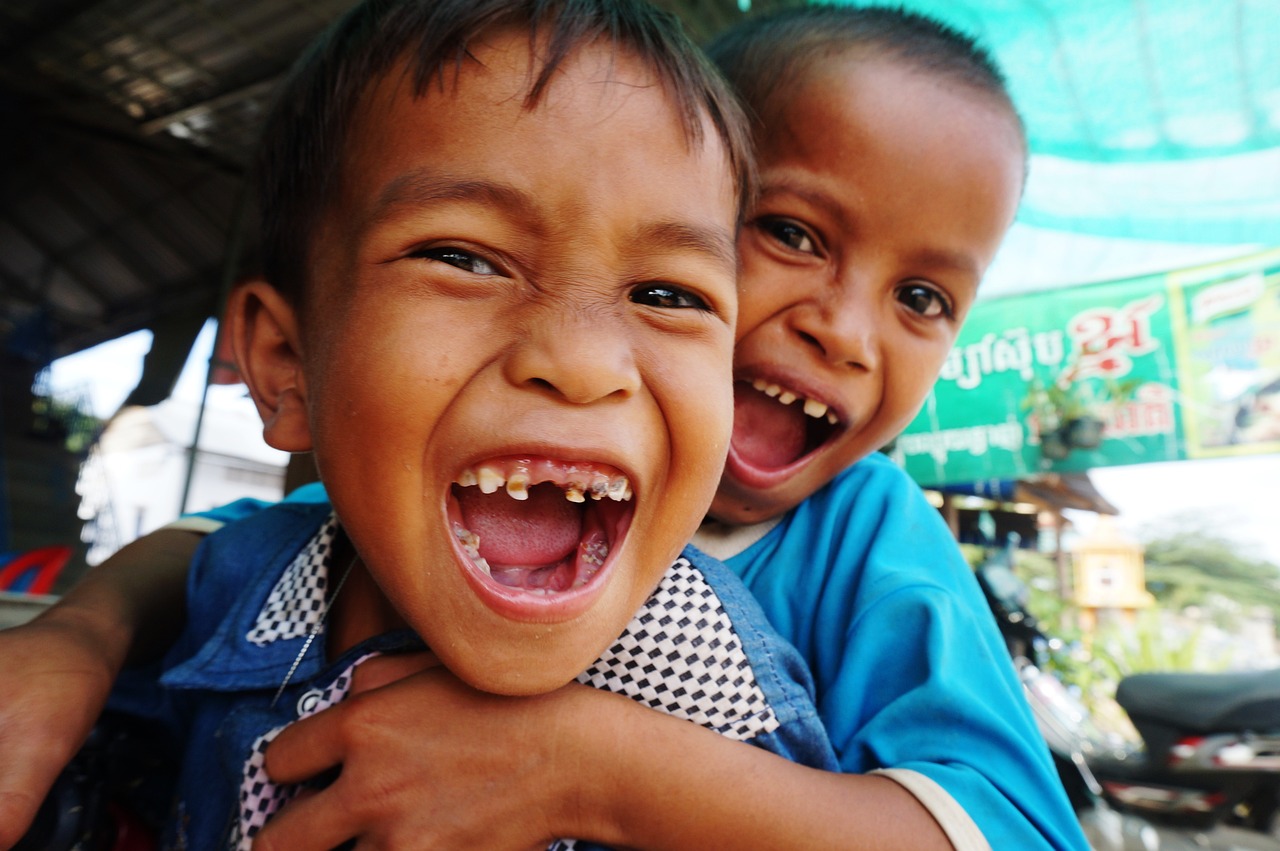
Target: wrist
[98,636]
[593,737]
[613,740]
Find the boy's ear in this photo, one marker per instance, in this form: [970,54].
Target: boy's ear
[263,328]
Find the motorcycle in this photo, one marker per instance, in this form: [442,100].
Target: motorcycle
[1204,770]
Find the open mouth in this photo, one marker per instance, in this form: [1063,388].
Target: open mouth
[774,427]
[538,525]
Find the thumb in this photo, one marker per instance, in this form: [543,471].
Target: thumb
[384,670]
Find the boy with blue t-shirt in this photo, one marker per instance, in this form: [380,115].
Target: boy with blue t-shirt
[891,163]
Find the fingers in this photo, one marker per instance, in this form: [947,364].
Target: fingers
[17,807]
[306,748]
[383,670]
[318,742]
[310,821]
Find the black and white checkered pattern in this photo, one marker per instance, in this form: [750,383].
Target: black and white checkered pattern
[679,655]
[297,602]
[260,798]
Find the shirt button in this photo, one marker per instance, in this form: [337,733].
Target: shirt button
[309,701]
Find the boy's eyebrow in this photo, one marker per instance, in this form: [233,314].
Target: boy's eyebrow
[958,261]
[421,187]
[716,242]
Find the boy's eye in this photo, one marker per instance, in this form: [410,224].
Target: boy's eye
[457,257]
[667,295]
[925,300]
[790,234]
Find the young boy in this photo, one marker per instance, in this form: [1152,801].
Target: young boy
[892,162]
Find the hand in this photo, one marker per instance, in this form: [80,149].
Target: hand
[428,762]
[54,679]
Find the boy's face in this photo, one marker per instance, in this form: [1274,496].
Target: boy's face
[518,356]
[886,193]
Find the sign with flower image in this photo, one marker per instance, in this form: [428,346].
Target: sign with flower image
[1154,368]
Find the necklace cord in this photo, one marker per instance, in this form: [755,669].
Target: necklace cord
[315,630]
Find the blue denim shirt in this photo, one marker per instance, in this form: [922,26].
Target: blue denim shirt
[214,690]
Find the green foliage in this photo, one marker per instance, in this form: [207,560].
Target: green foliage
[1095,664]
[1068,397]
[64,420]
[1192,565]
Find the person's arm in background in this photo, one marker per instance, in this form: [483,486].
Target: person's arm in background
[57,670]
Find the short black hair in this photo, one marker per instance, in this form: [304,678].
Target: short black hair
[305,136]
[762,57]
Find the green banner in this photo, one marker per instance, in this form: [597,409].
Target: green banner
[1156,368]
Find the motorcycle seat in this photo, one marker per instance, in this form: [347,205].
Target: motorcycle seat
[1204,703]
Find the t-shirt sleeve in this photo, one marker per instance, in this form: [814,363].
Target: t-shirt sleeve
[950,816]
[936,701]
[912,674]
[208,522]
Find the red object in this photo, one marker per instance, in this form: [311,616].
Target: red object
[131,834]
[44,564]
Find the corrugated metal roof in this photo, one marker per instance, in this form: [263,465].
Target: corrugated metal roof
[135,120]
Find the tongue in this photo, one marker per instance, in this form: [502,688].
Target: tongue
[766,433]
[538,531]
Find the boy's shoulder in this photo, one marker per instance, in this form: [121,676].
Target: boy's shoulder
[242,548]
[873,483]
[870,528]
[234,572]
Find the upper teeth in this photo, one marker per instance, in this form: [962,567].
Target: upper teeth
[518,486]
[812,407]
[491,478]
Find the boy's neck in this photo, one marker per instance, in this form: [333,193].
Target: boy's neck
[361,610]
[723,541]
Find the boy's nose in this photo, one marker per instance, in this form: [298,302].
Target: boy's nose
[840,334]
[580,359]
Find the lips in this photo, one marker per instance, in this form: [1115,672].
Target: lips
[537,533]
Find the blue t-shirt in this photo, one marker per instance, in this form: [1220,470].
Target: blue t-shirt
[866,581]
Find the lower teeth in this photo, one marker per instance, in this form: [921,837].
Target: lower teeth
[591,555]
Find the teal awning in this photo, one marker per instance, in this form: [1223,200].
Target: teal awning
[1148,119]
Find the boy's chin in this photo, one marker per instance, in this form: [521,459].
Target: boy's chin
[521,655]
[514,678]
[749,493]
[736,505]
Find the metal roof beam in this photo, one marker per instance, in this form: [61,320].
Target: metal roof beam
[261,88]
[53,256]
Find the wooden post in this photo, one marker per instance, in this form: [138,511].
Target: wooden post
[951,514]
[1060,556]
